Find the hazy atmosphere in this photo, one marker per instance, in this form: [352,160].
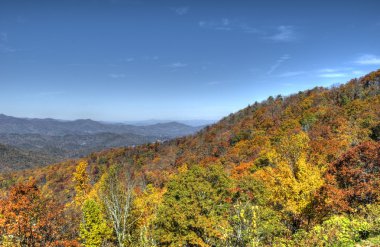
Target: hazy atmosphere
[127,60]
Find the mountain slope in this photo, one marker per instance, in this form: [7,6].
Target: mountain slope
[301,170]
[334,120]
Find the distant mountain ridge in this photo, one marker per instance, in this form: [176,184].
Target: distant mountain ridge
[48,126]
[31,142]
[193,123]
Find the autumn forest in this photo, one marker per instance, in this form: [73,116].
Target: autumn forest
[295,170]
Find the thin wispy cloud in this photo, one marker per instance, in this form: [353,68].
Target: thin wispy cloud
[222,25]
[333,75]
[49,93]
[248,29]
[292,73]
[125,1]
[177,65]
[84,64]
[213,83]
[181,10]
[151,58]
[322,73]
[328,70]
[137,59]
[283,34]
[358,72]
[339,72]
[368,59]
[116,76]
[278,63]
[227,24]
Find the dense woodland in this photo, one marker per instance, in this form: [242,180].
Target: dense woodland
[300,170]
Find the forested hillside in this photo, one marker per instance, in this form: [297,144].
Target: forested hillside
[298,170]
[12,157]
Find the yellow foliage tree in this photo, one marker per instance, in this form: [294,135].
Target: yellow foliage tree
[145,211]
[82,182]
[293,179]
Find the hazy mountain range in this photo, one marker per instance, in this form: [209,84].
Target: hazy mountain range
[32,142]
[194,123]
[48,126]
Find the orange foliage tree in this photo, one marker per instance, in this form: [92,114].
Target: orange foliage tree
[352,180]
[29,219]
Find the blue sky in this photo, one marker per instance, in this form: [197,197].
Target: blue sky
[120,60]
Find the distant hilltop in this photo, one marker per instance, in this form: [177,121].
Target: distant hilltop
[30,142]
